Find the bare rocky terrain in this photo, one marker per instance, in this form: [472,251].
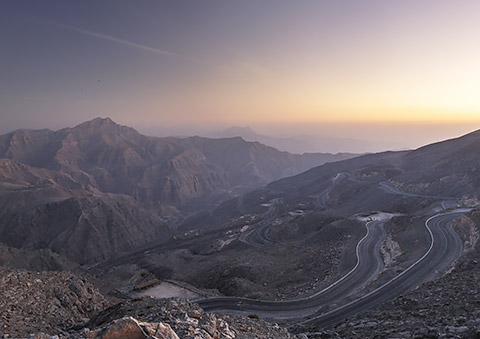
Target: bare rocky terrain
[64,305]
[124,213]
[222,263]
[99,188]
[31,302]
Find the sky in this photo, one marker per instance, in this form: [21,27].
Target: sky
[397,74]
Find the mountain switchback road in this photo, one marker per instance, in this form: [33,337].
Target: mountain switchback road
[445,247]
[369,265]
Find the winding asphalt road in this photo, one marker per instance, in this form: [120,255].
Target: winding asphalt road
[445,247]
[259,237]
[369,265]
[321,196]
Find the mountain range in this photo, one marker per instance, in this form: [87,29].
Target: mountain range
[99,188]
[390,219]
[238,219]
[370,182]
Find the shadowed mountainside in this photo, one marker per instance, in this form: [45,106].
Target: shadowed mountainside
[99,188]
[48,209]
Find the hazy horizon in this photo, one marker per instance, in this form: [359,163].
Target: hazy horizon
[354,138]
[390,75]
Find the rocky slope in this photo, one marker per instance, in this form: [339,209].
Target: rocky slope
[36,260]
[174,318]
[64,305]
[45,209]
[48,301]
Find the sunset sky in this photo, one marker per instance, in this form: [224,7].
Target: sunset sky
[404,72]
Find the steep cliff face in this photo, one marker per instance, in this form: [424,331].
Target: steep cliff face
[469,230]
[390,250]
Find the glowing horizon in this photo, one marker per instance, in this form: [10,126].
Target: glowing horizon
[219,63]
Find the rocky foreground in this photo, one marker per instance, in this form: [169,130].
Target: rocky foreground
[62,305]
[173,318]
[56,305]
[52,302]
[53,305]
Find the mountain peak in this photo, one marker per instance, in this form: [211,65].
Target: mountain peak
[103,125]
[98,123]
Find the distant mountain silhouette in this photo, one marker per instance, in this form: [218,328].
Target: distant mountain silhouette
[298,144]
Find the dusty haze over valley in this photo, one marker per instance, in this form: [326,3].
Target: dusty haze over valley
[217,169]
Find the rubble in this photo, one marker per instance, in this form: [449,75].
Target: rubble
[50,302]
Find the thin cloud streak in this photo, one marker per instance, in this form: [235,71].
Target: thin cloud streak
[129,43]
[237,67]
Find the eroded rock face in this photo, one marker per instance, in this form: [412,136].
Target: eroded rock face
[122,328]
[160,330]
